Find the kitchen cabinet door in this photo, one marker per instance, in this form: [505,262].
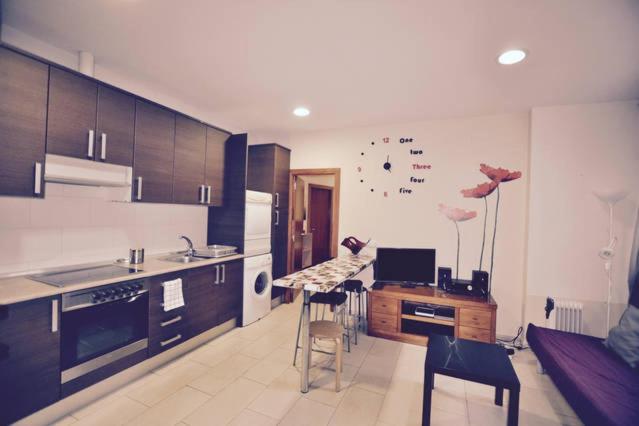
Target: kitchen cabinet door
[115,127]
[73,102]
[188,168]
[29,357]
[153,153]
[215,152]
[279,230]
[167,329]
[229,300]
[23,115]
[203,291]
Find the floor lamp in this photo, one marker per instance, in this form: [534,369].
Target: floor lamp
[607,253]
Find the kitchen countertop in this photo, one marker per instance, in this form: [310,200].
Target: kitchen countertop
[20,288]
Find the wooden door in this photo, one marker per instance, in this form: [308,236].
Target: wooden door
[115,127]
[29,357]
[188,169]
[23,115]
[73,102]
[229,300]
[153,153]
[214,172]
[299,214]
[319,211]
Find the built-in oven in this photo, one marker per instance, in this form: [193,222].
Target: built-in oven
[101,326]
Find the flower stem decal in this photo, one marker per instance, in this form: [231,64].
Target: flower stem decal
[457,215]
[482,190]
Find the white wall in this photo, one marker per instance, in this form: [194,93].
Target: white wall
[454,148]
[575,149]
[75,224]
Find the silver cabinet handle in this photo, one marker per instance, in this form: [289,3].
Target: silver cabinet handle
[277,199]
[171,340]
[208,194]
[54,316]
[103,147]
[201,194]
[139,189]
[171,321]
[277,217]
[37,185]
[217,274]
[91,140]
[223,274]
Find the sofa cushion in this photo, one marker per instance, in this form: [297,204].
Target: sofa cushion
[624,338]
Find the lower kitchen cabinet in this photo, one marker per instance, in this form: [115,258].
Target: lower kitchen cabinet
[229,302]
[202,293]
[167,329]
[29,357]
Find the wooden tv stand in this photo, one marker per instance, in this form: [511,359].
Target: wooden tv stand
[475,317]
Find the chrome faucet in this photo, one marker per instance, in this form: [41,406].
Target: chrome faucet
[189,251]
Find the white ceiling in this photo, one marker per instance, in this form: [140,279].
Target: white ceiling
[352,62]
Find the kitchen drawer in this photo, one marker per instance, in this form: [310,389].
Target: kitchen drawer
[384,305]
[472,333]
[475,318]
[384,322]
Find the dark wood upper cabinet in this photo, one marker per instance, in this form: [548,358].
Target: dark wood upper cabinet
[115,132]
[73,102]
[153,153]
[29,358]
[215,152]
[268,171]
[23,120]
[188,167]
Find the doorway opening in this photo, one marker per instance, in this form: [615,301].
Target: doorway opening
[313,217]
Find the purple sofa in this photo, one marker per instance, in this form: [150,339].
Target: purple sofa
[598,385]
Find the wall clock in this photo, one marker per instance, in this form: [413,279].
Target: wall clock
[392,166]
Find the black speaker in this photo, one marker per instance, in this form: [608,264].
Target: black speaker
[444,277]
[480,281]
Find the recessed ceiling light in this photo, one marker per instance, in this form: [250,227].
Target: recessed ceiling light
[301,111]
[510,57]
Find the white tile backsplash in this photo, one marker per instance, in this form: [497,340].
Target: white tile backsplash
[76,224]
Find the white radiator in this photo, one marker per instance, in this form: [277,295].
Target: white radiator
[568,316]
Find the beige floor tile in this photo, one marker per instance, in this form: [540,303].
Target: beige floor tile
[322,384]
[172,409]
[117,412]
[266,371]
[359,407]
[306,412]
[223,374]
[213,354]
[265,345]
[486,414]
[403,404]
[160,387]
[376,372]
[227,404]
[358,352]
[446,418]
[281,355]
[279,396]
[251,418]
[68,420]
[385,348]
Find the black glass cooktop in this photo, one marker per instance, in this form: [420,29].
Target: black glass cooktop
[82,275]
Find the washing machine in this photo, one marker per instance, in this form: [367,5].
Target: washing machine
[258,282]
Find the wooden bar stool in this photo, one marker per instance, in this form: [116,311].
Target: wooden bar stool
[329,330]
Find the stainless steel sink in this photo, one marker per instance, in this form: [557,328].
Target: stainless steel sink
[182,258]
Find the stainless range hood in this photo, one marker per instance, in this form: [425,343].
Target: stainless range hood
[75,171]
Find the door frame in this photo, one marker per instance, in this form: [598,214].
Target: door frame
[308,212]
[293,173]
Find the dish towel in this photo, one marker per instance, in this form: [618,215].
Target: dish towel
[173,297]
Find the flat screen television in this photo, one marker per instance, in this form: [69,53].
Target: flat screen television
[405,265]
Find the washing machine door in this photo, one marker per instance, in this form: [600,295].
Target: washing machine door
[262,284]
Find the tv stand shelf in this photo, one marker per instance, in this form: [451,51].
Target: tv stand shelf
[474,317]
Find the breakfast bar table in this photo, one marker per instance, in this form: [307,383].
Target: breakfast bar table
[321,278]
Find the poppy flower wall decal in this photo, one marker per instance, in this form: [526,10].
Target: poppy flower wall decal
[457,215]
[497,176]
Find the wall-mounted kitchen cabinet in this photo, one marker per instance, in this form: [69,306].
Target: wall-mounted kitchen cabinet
[189,164]
[214,170]
[88,120]
[153,153]
[23,116]
[29,357]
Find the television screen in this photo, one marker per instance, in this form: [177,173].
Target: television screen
[410,265]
